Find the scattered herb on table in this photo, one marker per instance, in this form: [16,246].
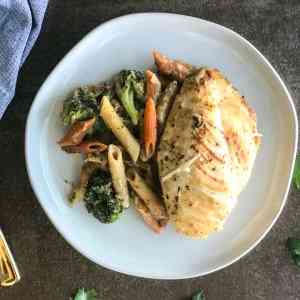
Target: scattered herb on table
[83,294]
[293,245]
[296,175]
[199,295]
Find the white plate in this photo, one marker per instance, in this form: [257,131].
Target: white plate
[128,246]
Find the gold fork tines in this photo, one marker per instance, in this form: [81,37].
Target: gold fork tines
[9,273]
[3,274]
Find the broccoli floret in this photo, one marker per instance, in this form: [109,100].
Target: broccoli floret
[84,103]
[130,85]
[98,129]
[80,106]
[100,198]
[138,83]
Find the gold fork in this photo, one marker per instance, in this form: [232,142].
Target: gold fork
[9,273]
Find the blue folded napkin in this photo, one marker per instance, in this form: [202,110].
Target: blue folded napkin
[20,24]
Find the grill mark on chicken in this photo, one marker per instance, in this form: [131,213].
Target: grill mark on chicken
[237,147]
[220,184]
[211,152]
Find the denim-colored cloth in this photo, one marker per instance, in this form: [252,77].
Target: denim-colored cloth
[20,24]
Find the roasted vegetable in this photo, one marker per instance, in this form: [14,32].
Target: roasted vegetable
[130,88]
[100,198]
[80,106]
[84,104]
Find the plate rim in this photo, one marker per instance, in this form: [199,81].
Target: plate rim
[127,18]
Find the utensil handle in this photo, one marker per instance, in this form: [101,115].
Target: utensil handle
[9,273]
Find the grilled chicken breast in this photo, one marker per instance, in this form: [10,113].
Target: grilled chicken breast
[206,153]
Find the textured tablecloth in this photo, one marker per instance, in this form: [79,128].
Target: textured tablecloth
[20,24]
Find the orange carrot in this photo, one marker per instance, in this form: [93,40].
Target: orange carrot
[150,128]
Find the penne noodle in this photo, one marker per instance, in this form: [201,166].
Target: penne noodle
[153,85]
[76,133]
[150,129]
[99,159]
[115,123]
[91,146]
[150,122]
[175,68]
[142,209]
[151,200]
[164,104]
[79,190]
[117,171]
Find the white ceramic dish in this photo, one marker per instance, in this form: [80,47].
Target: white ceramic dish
[128,246]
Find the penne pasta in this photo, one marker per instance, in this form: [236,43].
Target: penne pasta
[115,123]
[164,105]
[142,209]
[151,200]
[76,133]
[150,129]
[175,68]
[79,190]
[153,85]
[117,171]
[91,146]
[99,159]
[150,122]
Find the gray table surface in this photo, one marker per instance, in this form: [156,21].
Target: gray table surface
[50,268]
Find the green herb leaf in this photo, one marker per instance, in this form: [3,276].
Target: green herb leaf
[296,175]
[86,295]
[199,295]
[293,245]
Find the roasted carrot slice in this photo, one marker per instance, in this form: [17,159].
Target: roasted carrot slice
[150,128]
[76,133]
